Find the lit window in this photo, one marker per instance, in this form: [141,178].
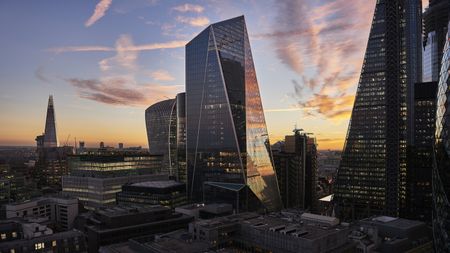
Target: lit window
[54,243]
[14,234]
[3,236]
[12,251]
[40,245]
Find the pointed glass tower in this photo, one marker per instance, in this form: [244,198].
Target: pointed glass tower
[50,139]
[227,142]
[372,175]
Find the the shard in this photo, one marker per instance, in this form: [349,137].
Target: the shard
[50,139]
[372,175]
[228,150]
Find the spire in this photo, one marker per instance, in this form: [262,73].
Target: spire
[50,139]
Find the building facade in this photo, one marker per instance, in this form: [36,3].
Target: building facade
[419,183]
[95,179]
[227,141]
[441,164]
[160,120]
[296,167]
[435,18]
[373,171]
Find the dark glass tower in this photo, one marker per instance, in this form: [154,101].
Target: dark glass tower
[441,167]
[372,175]
[160,120]
[227,141]
[50,139]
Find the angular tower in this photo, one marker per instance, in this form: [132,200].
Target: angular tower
[228,150]
[373,172]
[50,139]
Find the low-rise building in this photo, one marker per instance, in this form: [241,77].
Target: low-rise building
[108,225]
[21,236]
[60,210]
[168,193]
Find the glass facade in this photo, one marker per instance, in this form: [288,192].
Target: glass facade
[226,134]
[441,168]
[372,174]
[160,120]
[431,59]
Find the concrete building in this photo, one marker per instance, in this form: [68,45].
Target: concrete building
[168,193]
[385,234]
[59,210]
[110,225]
[206,211]
[19,236]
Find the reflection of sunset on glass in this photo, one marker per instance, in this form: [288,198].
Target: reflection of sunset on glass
[105,64]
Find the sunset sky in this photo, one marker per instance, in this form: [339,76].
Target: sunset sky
[106,61]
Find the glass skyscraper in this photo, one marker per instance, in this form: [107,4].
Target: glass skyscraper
[50,139]
[160,120]
[441,170]
[373,171]
[227,142]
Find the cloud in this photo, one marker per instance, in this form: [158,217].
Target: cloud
[189,8]
[323,42]
[39,74]
[162,75]
[120,91]
[198,21]
[99,12]
[144,47]
[124,58]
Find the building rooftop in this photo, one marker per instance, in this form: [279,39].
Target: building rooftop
[122,210]
[158,184]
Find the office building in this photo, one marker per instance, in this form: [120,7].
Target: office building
[96,178]
[168,193]
[206,211]
[373,172]
[59,210]
[161,123]
[441,163]
[420,155]
[228,146]
[18,236]
[435,19]
[296,167]
[387,234]
[181,138]
[108,225]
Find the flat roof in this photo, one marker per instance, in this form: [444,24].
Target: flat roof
[158,184]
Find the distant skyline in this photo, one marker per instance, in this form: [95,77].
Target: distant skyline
[106,61]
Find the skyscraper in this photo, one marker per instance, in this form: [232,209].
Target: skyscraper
[50,139]
[296,167]
[227,142]
[435,20]
[372,175]
[441,166]
[160,120]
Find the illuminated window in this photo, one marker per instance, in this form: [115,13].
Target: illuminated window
[3,236]
[54,243]
[40,245]
[12,251]
[14,234]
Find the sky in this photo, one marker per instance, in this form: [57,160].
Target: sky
[106,61]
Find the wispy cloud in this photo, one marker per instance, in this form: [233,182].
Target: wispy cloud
[189,8]
[118,91]
[162,75]
[197,21]
[144,47]
[124,58]
[323,42]
[99,12]
[39,73]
